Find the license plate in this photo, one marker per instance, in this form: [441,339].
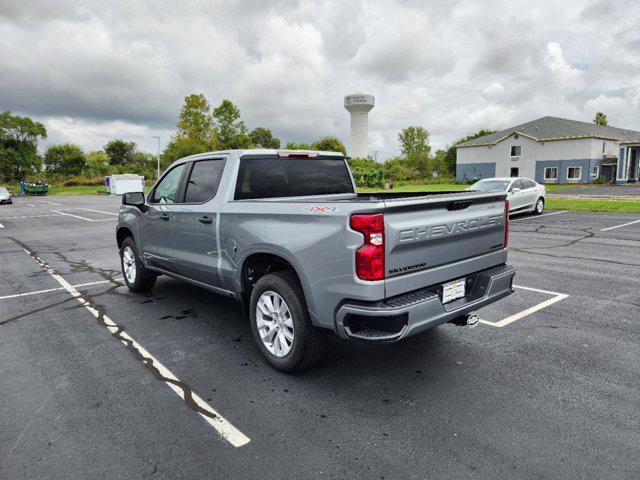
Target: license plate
[453,290]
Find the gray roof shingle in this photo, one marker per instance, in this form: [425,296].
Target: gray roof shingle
[554,128]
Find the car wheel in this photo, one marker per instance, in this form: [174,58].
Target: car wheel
[281,325]
[539,208]
[136,276]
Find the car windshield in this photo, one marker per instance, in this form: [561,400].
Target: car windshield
[490,185]
[3,190]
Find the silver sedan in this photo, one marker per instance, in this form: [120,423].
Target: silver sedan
[524,195]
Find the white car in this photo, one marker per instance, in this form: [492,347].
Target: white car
[5,196]
[524,195]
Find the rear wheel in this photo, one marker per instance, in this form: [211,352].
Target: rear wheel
[539,208]
[281,325]
[136,276]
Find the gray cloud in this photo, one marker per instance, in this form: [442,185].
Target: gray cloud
[96,70]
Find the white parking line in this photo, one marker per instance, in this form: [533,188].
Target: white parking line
[71,215]
[30,204]
[27,294]
[100,211]
[226,430]
[30,216]
[512,318]
[49,203]
[620,226]
[538,216]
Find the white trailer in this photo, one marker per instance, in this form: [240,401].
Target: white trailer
[125,183]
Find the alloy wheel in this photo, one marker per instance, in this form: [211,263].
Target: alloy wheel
[129,264]
[275,324]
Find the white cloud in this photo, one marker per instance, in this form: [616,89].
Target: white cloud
[566,77]
[97,70]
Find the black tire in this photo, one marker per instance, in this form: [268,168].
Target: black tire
[144,279]
[536,210]
[308,341]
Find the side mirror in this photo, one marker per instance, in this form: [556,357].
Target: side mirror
[135,199]
[515,190]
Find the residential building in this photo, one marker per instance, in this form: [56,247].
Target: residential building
[553,150]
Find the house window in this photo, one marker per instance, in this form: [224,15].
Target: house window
[574,173]
[551,173]
[515,171]
[595,172]
[516,150]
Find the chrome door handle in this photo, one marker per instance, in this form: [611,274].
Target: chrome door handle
[164,217]
[205,219]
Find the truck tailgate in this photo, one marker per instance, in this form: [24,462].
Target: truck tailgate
[442,237]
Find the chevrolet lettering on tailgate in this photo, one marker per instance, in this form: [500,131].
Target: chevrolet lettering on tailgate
[447,229]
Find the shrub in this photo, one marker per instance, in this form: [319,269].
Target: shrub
[367,177]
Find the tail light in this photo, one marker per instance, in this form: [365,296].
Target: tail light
[297,154]
[370,256]
[506,223]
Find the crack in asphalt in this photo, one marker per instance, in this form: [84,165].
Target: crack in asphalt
[36,310]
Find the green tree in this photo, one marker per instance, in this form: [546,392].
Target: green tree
[414,145]
[195,120]
[396,169]
[196,131]
[66,159]
[263,138]
[97,164]
[600,119]
[19,146]
[450,158]
[414,142]
[230,129]
[297,146]
[120,152]
[329,144]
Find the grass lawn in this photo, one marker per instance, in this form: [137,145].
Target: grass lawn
[594,205]
[551,188]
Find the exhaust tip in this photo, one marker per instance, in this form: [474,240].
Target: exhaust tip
[469,320]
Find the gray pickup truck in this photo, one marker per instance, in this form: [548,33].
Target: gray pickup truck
[286,234]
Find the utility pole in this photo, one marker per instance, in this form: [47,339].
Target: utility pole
[158,138]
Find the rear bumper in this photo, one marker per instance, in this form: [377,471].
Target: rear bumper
[411,313]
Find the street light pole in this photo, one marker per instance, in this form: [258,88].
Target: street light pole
[157,137]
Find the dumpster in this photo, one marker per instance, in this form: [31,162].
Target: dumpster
[39,188]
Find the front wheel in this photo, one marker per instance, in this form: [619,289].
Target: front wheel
[281,325]
[539,208]
[136,276]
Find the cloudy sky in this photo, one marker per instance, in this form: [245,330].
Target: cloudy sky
[93,71]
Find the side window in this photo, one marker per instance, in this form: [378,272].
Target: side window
[167,189]
[517,184]
[528,184]
[203,181]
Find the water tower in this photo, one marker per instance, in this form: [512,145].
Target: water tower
[359,106]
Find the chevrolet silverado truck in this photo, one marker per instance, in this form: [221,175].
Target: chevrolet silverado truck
[286,234]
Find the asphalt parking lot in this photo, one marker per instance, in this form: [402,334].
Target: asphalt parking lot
[545,387]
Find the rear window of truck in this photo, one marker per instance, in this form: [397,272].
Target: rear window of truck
[291,177]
